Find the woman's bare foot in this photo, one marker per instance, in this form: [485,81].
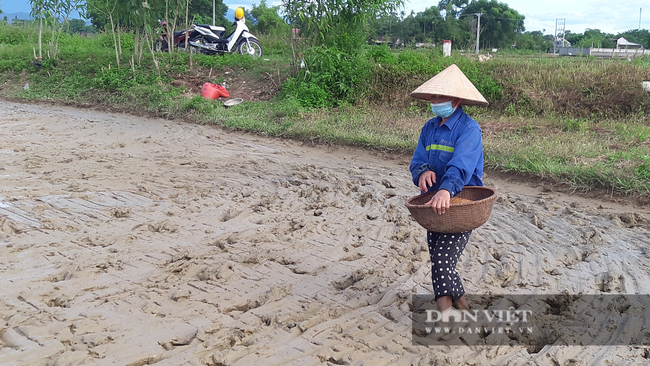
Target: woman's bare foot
[461,303]
[444,303]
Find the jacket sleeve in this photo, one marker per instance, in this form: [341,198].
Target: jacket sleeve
[461,166]
[420,161]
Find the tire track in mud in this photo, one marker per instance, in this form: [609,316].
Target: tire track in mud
[148,241]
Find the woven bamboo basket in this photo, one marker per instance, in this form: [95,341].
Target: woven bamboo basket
[459,217]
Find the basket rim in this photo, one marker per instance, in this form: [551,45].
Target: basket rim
[233,102]
[492,197]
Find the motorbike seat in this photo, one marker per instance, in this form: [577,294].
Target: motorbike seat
[178,34]
[213,28]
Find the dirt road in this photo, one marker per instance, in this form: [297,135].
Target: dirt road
[133,241]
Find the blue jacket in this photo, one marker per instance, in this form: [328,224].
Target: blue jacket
[454,151]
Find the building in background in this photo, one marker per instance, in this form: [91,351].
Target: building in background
[624,43]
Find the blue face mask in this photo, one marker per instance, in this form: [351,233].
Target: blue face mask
[443,110]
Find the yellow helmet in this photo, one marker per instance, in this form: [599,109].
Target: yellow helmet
[239,13]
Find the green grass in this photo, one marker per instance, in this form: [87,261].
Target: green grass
[572,87]
[287,118]
[594,155]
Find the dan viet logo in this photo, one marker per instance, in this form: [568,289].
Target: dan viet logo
[534,320]
[478,321]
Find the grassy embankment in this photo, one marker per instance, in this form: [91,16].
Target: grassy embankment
[580,121]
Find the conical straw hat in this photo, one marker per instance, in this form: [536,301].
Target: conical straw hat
[453,83]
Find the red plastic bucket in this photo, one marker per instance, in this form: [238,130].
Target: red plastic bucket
[224,93]
[214,91]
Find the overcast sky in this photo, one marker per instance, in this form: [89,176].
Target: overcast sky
[607,15]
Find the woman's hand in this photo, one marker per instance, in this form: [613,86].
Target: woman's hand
[440,201]
[427,179]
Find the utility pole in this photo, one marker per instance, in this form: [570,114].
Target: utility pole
[478,30]
[213,11]
[555,38]
[640,18]
[433,32]
[560,25]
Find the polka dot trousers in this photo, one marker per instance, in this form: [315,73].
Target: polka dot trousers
[445,250]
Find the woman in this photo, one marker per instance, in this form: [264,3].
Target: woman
[448,157]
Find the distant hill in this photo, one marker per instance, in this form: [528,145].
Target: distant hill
[26,16]
[12,16]
[230,15]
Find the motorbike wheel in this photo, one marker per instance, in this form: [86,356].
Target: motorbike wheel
[181,47]
[160,46]
[255,49]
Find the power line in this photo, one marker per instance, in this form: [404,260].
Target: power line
[488,16]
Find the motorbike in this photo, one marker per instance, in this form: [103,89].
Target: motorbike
[162,43]
[210,40]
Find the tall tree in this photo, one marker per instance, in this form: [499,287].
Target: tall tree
[39,12]
[266,19]
[416,27]
[58,13]
[390,26]
[573,38]
[202,9]
[454,30]
[596,38]
[534,41]
[341,23]
[452,8]
[107,9]
[500,24]
[641,36]
[54,13]
[76,26]
[198,9]
[428,21]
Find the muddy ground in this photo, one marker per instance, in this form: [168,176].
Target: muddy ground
[135,241]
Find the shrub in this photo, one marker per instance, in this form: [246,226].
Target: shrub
[276,44]
[122,79]
[381,55]
[392,80]
[126,40]
[308,94]
[14,35]
[332,72]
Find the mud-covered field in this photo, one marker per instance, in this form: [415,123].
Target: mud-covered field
[132,241]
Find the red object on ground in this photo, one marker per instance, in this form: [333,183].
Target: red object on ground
[210,91]
[224,93]
[214,91]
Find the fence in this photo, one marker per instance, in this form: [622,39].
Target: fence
[603,52]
